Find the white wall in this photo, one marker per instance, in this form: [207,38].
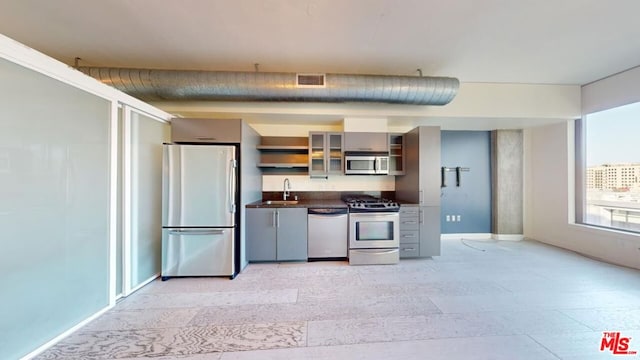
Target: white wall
[478,106]
[549,189]
[489,100]
[280,129]
[332,183]
[617,90]
[365,124]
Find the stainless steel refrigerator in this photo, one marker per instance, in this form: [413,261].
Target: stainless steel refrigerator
[199,210]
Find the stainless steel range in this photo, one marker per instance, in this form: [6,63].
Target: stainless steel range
[374,235]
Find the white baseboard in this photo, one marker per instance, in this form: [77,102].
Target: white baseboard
[60,337]
[508,237]
[144,283]
[470,236]
[482,236]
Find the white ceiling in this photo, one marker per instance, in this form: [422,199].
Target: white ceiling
[506,41]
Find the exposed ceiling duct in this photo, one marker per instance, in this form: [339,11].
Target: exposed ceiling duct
[154,85]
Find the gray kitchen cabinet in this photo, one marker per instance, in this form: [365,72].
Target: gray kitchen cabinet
[291,227]
[366,141]
[206,130]
[429,231]
[261,235]
[325,153]
[409,230]
[421,184]
[276,234]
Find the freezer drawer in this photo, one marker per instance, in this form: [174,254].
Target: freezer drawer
[197,252]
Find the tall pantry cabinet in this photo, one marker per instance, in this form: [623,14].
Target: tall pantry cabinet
[421,184]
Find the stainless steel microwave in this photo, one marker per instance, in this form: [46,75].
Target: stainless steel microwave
[366,164]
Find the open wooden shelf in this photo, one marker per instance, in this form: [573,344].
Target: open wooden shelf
[282,154]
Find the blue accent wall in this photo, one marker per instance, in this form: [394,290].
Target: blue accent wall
[472,200]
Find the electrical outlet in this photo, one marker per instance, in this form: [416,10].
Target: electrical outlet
[458,217]
[448,218]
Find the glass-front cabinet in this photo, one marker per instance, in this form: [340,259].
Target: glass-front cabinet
[396,154]
[325,153]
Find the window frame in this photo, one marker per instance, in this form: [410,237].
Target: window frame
[580,177]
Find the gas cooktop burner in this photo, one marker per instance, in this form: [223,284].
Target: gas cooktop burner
[368,203]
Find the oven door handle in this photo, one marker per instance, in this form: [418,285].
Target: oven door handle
[373,216]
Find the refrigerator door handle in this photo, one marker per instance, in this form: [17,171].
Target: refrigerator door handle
[232,185]
[196,232]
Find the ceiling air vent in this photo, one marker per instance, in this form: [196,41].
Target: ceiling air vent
[310,80]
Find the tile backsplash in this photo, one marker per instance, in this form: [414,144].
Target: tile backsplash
[333,183]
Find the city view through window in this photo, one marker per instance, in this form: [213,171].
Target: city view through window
[612,179]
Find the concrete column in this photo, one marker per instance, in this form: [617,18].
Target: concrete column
[507,184]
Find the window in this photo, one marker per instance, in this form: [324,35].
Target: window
[607,164]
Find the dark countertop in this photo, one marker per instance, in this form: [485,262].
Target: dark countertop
[402,202]
[305,203]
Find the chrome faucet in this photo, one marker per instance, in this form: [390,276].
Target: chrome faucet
[287,186]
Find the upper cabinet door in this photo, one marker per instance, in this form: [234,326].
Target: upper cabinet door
[334,153]
[317,154]
[366,141]
[396,154]
[430,164]
[206,130]
[325,153]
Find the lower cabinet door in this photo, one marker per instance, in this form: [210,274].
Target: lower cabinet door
[409,250]
[197,252]
[292,234]
[429,231]
[261,234]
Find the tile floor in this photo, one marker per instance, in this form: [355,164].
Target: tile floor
[479,300]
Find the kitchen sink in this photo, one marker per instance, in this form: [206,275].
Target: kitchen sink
[281,202]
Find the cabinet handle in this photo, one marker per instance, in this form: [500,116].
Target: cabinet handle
[421,217]
[205,138]
[196,232]
[273,218]
[277,219]
[232,186]
[421,196]
[409,222]
[408,236]
[408,249]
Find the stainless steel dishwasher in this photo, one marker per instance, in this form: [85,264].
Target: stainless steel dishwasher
[327,233]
